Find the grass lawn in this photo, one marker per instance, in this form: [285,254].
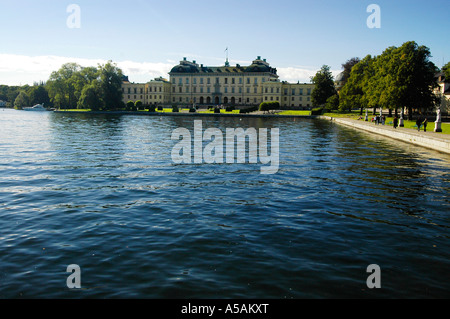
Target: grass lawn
[304,113]
[75,110]
[412,125]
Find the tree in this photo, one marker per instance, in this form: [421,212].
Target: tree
[347,66]
[61,87]
[111,85]
[357,89]
[446,70]
[38,95]
[332,102]
[22,100]
[406,78]
[91,97]
[324,86]
[138,104]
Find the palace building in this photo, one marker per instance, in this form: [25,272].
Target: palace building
[196,84]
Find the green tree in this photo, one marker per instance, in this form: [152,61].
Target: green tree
[446,70]
[406,78]
[38,95]
[324,86]
[332,102]
[355,92]
[348,66]
[138,105]
[61,87]
[111,85]
[22,100]
[91,97]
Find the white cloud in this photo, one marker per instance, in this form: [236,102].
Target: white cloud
[301,74]
[22,69]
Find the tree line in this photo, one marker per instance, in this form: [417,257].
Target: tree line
[400,78]
[71,87]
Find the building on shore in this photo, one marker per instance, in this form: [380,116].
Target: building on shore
[156,91]
[443,92]
[196,84]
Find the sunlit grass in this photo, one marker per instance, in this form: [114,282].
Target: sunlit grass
[302,113]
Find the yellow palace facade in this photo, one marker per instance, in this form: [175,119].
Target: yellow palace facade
[195,84]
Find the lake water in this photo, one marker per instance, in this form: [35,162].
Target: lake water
[102,192]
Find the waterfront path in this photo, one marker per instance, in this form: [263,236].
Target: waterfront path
[430,139]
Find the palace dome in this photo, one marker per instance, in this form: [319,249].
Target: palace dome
[184,68]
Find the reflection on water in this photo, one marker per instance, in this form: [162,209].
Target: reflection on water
[101,191]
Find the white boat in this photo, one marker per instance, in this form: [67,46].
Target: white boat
[37,108]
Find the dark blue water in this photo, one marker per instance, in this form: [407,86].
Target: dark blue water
[102,192]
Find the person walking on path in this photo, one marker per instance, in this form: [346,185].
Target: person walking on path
[419,123]
[395,122]
[425,122]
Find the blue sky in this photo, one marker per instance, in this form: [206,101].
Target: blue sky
[146,38]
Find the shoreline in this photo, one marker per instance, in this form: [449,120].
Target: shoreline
[431,140]
[143,113]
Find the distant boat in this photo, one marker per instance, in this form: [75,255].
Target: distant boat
[36,108]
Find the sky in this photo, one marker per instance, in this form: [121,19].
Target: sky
[147,38]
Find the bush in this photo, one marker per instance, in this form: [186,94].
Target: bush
[249,110]
[152,108]
[267,106]
[138,104]
[229,109]
[216,110]
[175,109]
[192,110]
[317,111]
[129,105]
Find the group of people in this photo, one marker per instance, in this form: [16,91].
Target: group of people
[419,122]
[422,121]
[379,119]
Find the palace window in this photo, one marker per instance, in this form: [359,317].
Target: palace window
[301,91]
